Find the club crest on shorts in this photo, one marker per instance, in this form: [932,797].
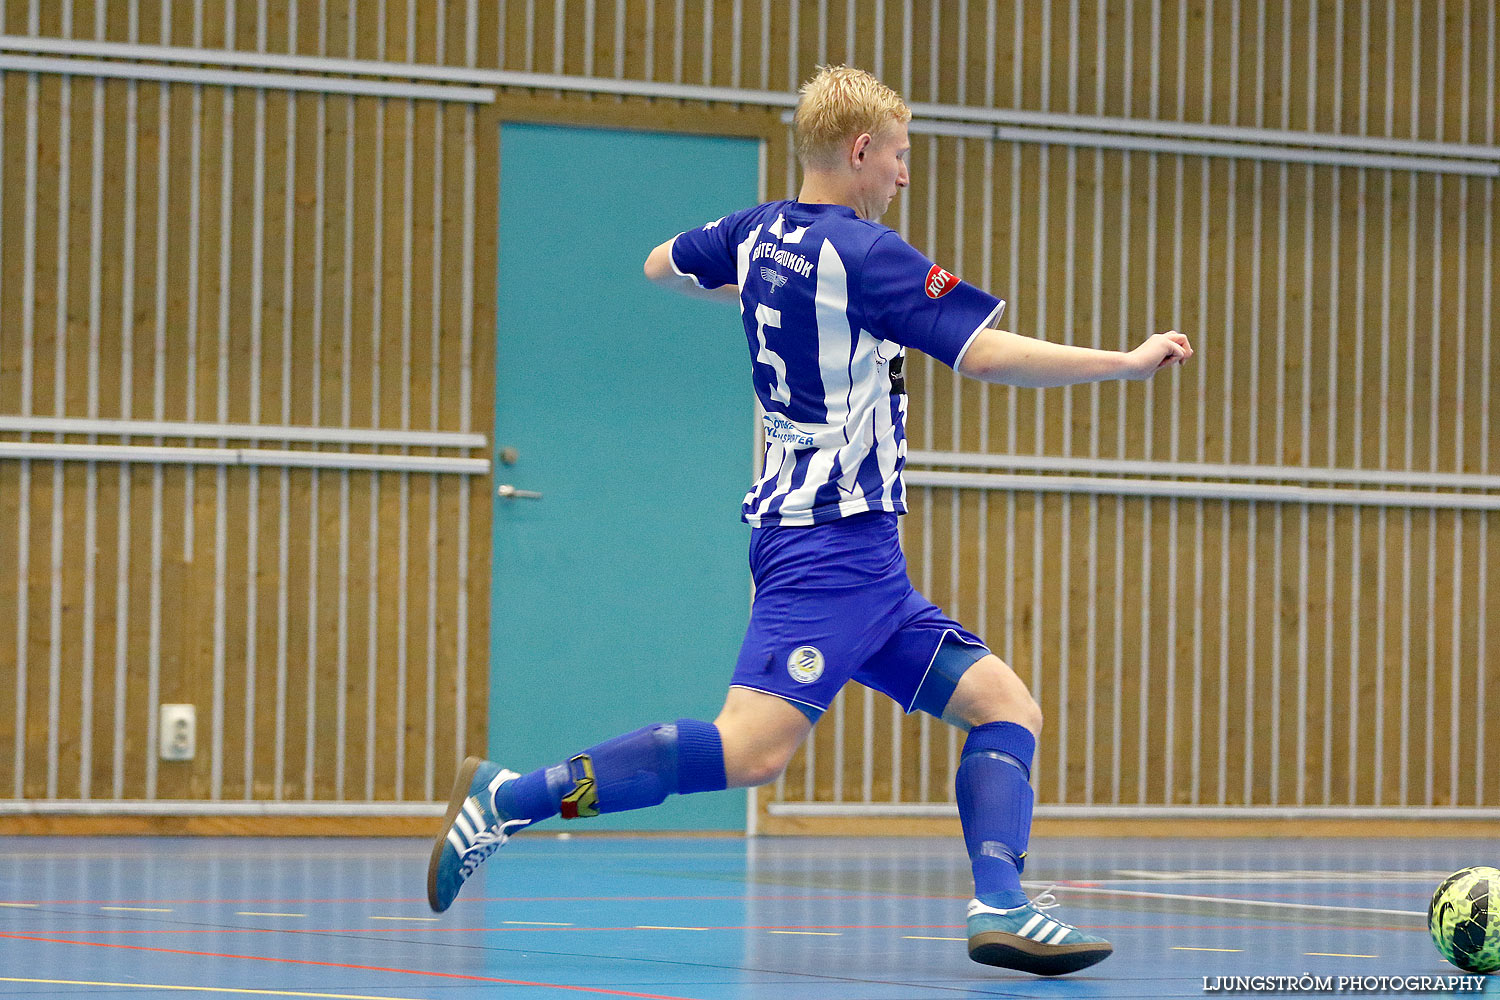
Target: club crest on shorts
[805,664]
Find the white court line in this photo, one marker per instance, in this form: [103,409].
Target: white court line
[1266,903]
[135,909]
[195,989]
[1286,875]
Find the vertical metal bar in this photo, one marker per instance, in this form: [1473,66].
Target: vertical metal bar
[1430,762]
[408,159]
[127,386]
[1455,626]
[314,516]
[1231,228]
[1335,228]
[1309,175]
[59,397]
[1385,370]
[257,318]
[765,47]
[1278,567]
[708,43]
[91,472]
[590,15]
[560,37]
[341,697]
[435,332]
[25,334]
[377,323]
[1195,781]
[620,41]
[1096,340]
[1256,241]
[531,33]
[1411,328]
[678,15]
[1169,736]
[158,412]
[503,14]
[221,497]
[928,375]
[737,43]
[283,514]
[851,57]
[1486,405]
[23,519]
[1119,623]
[822,32]
[194,229]
[648,58]
[1362,178]
[466,395]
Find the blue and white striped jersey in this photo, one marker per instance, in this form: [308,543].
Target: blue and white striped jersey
[829,303]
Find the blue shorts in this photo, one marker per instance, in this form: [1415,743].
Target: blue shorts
[833,603]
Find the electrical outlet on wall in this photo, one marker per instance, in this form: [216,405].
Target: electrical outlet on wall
[179,732]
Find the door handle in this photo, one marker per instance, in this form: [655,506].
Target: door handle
[509,492]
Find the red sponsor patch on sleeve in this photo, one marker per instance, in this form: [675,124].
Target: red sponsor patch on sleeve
[940,282]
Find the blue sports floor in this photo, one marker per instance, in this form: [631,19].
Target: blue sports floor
[701,918]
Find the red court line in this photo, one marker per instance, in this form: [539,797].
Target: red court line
[226,931]
[473,899]
[338,965]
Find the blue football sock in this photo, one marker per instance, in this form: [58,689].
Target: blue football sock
[994,806]
[632,771]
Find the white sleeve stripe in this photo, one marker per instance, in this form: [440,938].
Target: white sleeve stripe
[977,331]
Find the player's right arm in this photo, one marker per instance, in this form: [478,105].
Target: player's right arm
[1011,359]
[661,270]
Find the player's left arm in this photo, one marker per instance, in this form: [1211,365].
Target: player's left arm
[1011,359]
[660,270]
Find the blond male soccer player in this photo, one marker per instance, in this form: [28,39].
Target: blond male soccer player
[830,300]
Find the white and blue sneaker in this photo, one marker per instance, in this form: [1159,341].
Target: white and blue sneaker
[472,830]
[1027,939]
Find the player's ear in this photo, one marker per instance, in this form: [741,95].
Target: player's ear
[859,149]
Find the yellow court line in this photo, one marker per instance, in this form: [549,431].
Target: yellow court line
[913,937]
[252,913]
[21,906]
[810,933]
[649,927]
[1334,954]
[200,989]
[135,909]
[1186,948]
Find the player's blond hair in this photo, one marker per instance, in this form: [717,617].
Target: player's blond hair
[836,105]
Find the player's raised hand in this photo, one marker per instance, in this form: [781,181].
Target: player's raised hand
[1159,351]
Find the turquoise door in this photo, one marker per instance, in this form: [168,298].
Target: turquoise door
[620,596]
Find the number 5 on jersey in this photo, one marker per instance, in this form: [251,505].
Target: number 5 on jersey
[766,316]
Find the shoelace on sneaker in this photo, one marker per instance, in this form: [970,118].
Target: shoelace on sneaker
[1046,900]
[485,843]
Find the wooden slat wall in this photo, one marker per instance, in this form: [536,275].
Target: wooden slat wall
[1293,368]
[325,623]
